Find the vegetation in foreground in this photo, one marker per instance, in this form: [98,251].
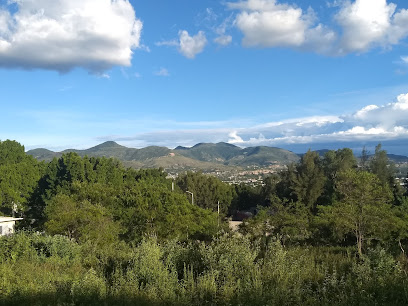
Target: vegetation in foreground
[54,270]
[330,231]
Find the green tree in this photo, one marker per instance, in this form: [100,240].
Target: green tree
[207,190]
[270,189]
[384,168]
[364,159]
[11,152]
[61,174]
[406,185]
[381,166]
[400,234]
[150,207]
[308,184]
[363,210]
[335,162]
[246,197]
[283,185]
[19,175]
[81,220]
[288,221]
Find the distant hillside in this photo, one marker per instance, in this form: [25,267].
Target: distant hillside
[264,156]
[231,155]
[43,154]
[107,149]
[202,156]
[208,157]
[178,163]
[398,158]
[210,152]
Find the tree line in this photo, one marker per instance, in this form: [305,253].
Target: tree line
[329,200]
[87,198]
[109,232]
[334,200]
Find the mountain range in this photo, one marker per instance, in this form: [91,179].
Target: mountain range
[201,156]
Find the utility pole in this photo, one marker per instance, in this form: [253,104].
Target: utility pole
[192,196]
[218,209]
[14,209]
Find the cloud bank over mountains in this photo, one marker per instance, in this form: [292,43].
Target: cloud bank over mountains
[371,124]
[62,35]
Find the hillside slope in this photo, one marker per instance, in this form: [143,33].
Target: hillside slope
[202,156]
[231,155]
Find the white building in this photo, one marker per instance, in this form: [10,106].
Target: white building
[7,225]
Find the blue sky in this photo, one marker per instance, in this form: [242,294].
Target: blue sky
[292,74]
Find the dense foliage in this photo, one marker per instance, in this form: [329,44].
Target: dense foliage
[329,230]
[96,199]
[39,269]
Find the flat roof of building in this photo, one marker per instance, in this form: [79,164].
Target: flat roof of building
[8,219]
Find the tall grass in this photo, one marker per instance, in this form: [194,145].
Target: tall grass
[53,270]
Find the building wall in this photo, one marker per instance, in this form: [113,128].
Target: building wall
[7,228]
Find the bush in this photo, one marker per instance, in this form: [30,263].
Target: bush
[90,290]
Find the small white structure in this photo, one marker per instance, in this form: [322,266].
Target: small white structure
[7,225]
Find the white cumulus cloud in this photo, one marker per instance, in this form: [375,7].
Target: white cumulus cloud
[190,46]
[385,116]
[367,23]
[61,35]
[233,137]
[364,24]
[402,103]
[268,24]
[187,45]
[365,110]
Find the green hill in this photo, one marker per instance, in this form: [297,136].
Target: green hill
[43,154]
[178,163]
[264,156]
[210,152]
[203,156]
[149,152]
[231,155]
[107,149]
[398,158]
